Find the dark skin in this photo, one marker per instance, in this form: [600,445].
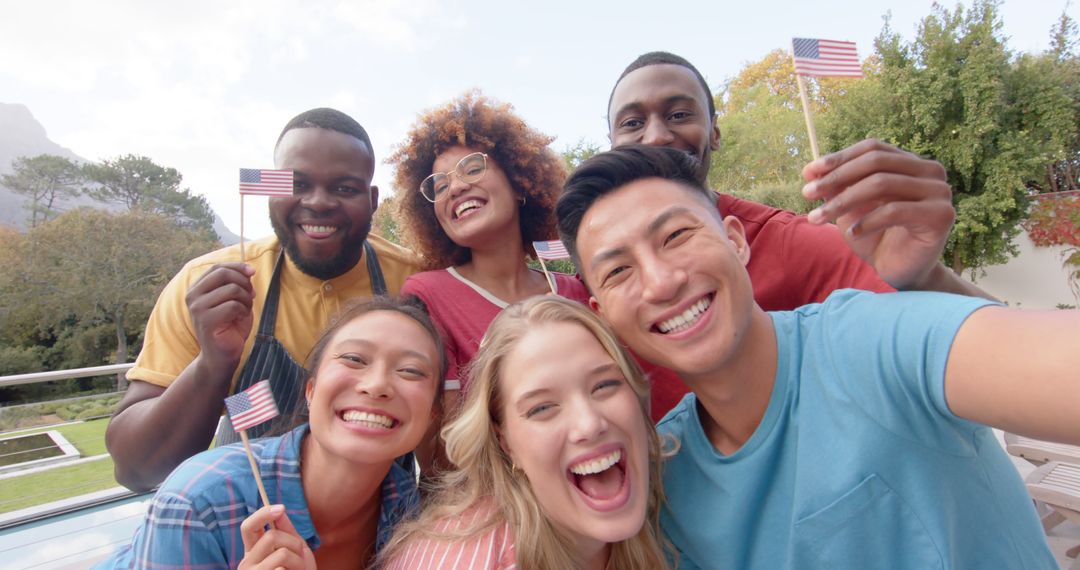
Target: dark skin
[333,172]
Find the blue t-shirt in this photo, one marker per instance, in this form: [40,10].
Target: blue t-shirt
[858,461]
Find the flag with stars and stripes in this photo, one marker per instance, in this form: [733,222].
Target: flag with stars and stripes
[252,406]
[550,250]
[825,58]
[263,182]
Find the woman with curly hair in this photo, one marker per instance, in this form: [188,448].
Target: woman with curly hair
[558,462]
[478,186]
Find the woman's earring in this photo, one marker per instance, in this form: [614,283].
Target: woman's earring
[522,200]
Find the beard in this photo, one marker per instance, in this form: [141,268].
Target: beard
[323,268]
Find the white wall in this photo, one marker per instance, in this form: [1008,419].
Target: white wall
[1034,280]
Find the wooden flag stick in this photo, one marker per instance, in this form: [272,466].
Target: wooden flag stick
[806,113]
[242,231]
[254,468]
[550,281]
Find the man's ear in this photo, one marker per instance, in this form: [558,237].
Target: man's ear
[714,135]
[737,235]
[373,192]
[594,304]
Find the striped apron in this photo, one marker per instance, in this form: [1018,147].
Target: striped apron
[270,360]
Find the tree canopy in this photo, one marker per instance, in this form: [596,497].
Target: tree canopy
[44,179]
[138,183]
[88,276]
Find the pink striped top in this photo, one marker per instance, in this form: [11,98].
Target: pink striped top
[491,550]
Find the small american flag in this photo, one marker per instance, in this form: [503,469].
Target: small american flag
[550,250]
[252,406]
[826,58]
[266,182]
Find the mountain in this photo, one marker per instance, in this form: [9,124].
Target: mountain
[22,135]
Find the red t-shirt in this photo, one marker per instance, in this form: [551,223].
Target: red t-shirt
[792,263]
[463,311]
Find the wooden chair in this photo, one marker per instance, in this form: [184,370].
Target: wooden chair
[1057,485]
[1038,452]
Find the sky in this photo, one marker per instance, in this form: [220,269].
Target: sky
[206,86]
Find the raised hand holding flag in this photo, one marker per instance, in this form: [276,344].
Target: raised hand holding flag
[251,408]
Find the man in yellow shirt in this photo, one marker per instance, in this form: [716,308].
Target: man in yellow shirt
[221,324]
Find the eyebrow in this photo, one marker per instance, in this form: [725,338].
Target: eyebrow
[595,371]
[369,344]
[668,101]
[347,178]
[531,394]
[652,228]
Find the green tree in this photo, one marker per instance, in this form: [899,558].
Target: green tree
[43,179]
[1064,63]
[89,272]
[763,138]
[955,94]
[575,154]
[139,184]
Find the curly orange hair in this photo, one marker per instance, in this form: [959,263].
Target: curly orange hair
[487,126]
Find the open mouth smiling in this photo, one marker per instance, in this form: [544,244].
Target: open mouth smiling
[317,230]
[687,318]
[465,208]
[369,419]
[602,481]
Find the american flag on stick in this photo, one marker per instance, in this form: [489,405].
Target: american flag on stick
[252,406]
[550,250]
[825,58]
[263,182]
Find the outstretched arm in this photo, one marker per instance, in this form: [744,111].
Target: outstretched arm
[1019,371]
[895,211]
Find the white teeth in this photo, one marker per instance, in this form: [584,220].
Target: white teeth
[597,465]
[318,229]
[687,318]
[466,206]
[374,420]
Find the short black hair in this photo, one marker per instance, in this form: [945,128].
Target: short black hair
[664,58]
[608,171]
[330,119]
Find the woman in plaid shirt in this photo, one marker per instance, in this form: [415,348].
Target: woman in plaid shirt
[339,480]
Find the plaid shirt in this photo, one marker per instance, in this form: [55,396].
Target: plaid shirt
[194,519]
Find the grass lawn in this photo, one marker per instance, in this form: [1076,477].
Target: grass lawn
[63,482]
[55,484]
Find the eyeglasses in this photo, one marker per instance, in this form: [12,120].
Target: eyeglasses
[469,169]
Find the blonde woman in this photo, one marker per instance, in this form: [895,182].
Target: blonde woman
[558,463]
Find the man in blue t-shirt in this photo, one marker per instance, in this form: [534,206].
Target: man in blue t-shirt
[846,434]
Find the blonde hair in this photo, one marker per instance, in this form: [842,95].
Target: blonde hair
[485,473]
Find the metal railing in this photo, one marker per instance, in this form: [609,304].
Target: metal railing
[35,377]
[8,520]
